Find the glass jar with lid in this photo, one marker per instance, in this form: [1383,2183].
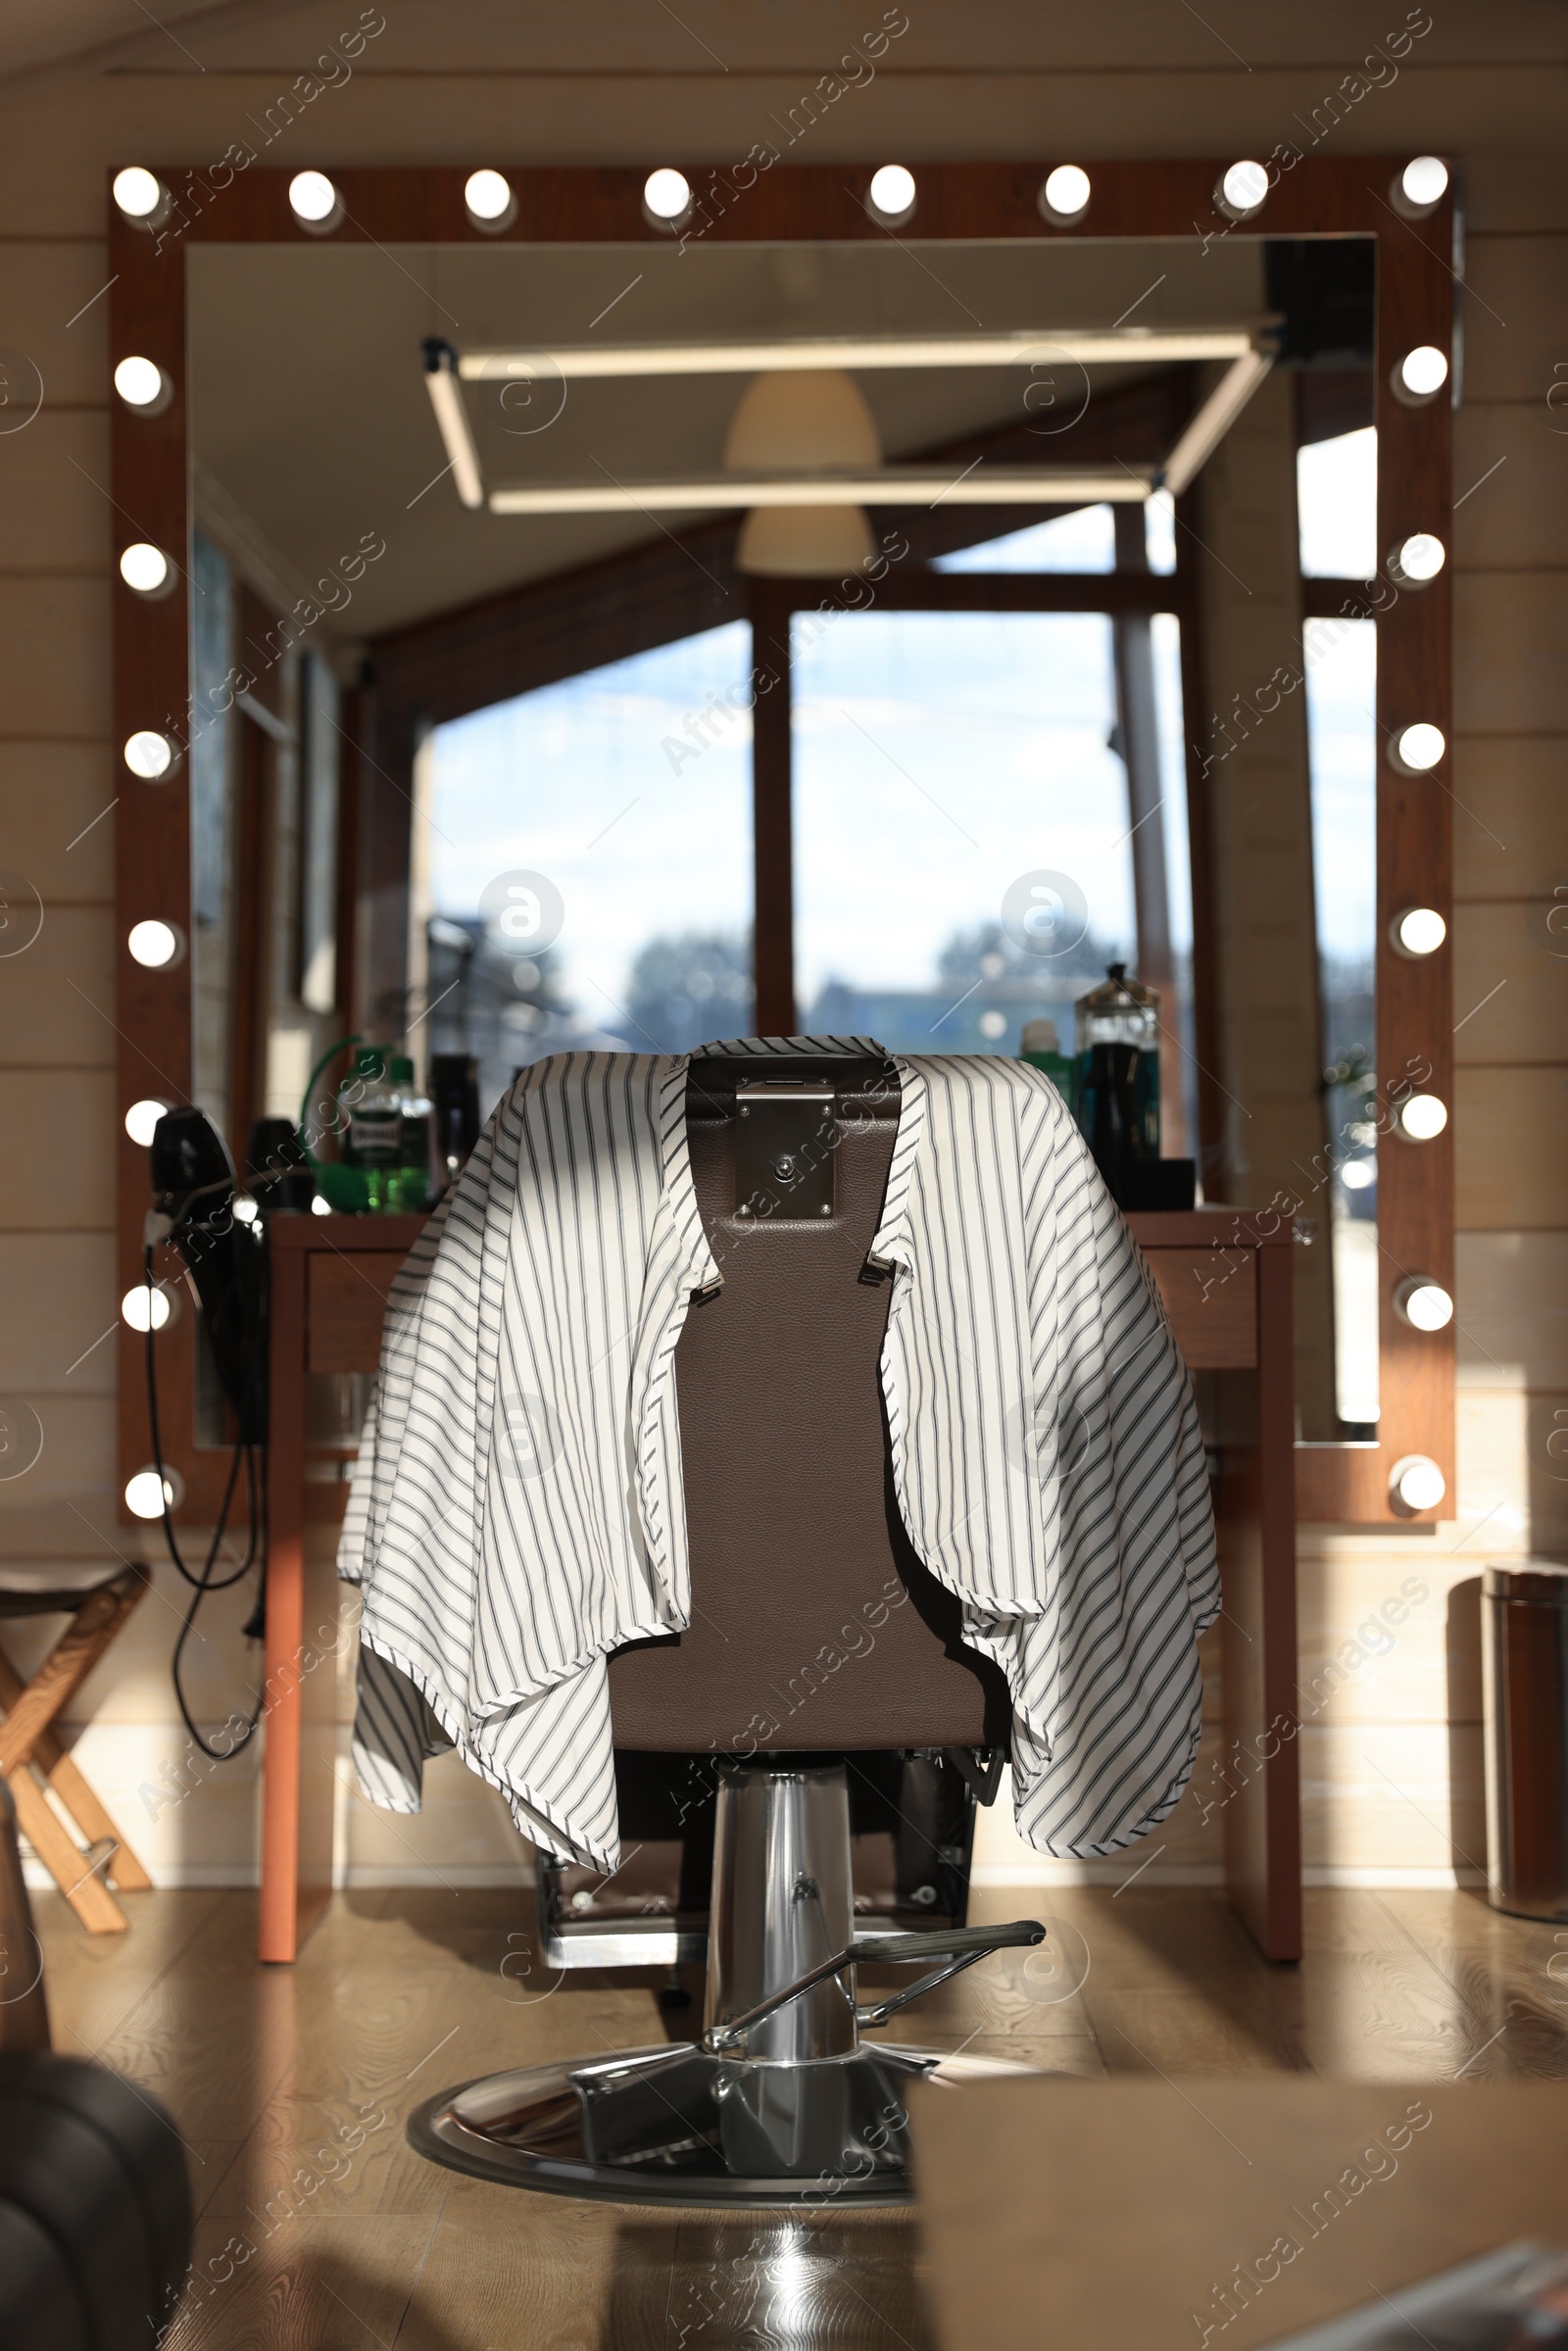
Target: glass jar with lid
[1118,1044]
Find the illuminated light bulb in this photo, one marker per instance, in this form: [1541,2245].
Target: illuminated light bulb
[139,382]
[1420,747]
[1417,1483]
[141,1121]
[1421,1117]
[245,1209]
[146,1494]
[137,193]
[1424,1304]
[1357,1175]
[892,191]
[143,1308]
[1424,181]
[1419,557]
[1244,187]
[149,755]
[314,201]
[321,1206]
[1419,931]
[1424,370]
[488,196]
[154,944]
[144,567]
[667,194]
[1065,193]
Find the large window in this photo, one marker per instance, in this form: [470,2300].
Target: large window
[1336,497]
[941,761]
[590,862]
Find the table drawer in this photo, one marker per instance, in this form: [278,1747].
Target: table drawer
[1211,1298]
[345,1306]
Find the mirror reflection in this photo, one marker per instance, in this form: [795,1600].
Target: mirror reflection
[624,647]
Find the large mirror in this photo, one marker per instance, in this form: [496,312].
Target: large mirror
[635,640]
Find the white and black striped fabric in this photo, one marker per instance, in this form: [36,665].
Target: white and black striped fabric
[517,1509]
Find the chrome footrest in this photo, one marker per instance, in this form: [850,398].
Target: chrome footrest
[674,2125]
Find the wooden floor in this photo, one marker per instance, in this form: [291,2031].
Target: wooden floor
[319,2230]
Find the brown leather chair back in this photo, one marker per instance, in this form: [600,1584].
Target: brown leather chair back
[814,1626]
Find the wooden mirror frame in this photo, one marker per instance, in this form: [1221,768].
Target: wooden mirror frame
[827,204]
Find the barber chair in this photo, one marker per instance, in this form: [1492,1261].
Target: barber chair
[816,1637]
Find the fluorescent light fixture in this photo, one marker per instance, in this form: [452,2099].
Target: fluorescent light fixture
[150,755]
[1091,346]
[1205,430]
[144,567]
[1418,931]
[452,419]
[889,485]
[141,1121]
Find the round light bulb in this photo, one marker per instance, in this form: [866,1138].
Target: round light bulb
[1358,1175]
[1066,191]
[1421,747]
[245,1209]
[1419,931]
[1424,181]
[1421,1117]
[139,382]
[1244,187]
[153,944]
[147,1493]
[667,194]
[141,1121]
[321,1206]
[311,197]
[893,191]
[487,195]
[1417,1483]
[143,1309]
[1420,557]
[144,567]
[137,193]
[1424,370]
[149,755]
[1425,1305]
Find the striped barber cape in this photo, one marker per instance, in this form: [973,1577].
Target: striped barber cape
[517,1510]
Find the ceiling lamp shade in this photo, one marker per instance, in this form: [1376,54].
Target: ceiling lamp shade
[813,421]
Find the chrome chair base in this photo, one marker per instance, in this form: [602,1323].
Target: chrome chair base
[674,2125]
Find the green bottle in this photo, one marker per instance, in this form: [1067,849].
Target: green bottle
[1040,1048]
[374,1137]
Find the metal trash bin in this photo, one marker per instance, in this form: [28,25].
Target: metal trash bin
[1524,1661]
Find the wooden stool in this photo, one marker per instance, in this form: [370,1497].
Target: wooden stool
[32,1760]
